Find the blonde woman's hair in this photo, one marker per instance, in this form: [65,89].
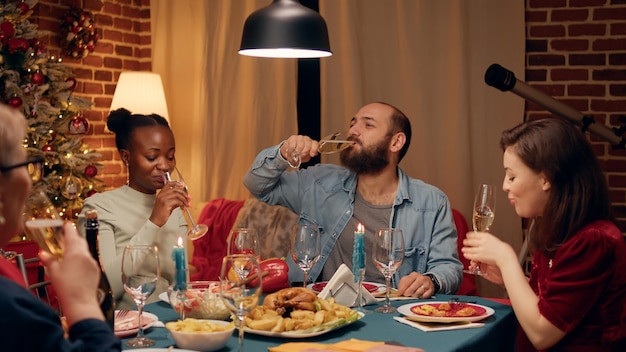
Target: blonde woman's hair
[12,130]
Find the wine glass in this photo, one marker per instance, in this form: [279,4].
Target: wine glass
[482,218]
[140,275]
[196,231]
[306,246]
[388,254]
[243,240]
[240,296]
[43,223]
[333,143]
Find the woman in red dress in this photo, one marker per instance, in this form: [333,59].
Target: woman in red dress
[575,297]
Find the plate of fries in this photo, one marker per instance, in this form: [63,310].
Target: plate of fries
[300,323]
[445,312]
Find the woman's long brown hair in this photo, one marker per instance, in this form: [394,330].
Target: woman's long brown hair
[579,192]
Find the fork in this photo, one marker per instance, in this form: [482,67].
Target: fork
[459,303]
[120,314]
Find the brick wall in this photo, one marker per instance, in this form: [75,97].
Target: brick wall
[576,53]
[124,45]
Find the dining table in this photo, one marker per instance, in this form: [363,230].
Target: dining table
[497,334]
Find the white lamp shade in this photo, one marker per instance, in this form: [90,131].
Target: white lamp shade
[140,92]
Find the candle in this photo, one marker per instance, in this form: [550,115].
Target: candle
[178,255]
[358,252]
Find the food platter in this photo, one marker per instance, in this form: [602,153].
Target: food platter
[301,334]
[128,325]
[372,287]
[480,312]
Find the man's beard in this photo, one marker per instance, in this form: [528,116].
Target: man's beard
[369,160]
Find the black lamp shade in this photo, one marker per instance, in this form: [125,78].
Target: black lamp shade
[285,28]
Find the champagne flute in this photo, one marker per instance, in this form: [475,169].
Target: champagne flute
[240,296]
[482,218]
[140,275]
[388,254]
[196,231]
[333,143]
[305,247]
[243,241]
[43,223]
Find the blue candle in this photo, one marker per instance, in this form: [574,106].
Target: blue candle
[358,252]
[178,255]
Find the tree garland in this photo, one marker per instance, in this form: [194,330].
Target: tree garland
[79,35]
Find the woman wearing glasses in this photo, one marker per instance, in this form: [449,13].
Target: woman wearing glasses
[28,324]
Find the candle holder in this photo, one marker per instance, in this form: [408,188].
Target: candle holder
[359,296]
[181,296]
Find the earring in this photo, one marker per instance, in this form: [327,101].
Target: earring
[127,173]
[2,219]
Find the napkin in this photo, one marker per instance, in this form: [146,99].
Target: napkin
[351,345]
[428,327]
[343,288]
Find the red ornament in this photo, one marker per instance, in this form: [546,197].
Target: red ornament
[38,78]
[91,192]
[91,171]
[78,125]
[47,148]
[15,102]
[23,7]
[73,80]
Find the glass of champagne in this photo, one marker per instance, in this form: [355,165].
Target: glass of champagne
[43,223]
[195,231]
[140,275]
[240,296]
[388,254]
[306,246]
[333,143]
[482,218]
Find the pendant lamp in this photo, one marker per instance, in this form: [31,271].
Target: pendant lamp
[285,29]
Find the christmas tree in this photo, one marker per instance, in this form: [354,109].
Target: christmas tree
[41,86]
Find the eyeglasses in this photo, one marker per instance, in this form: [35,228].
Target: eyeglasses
[34,166]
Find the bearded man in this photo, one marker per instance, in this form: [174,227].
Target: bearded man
[371,189]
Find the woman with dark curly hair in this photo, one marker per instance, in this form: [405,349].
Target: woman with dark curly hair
[136,213]
[575,299]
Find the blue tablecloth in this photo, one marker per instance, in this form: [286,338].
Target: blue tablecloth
[497,335]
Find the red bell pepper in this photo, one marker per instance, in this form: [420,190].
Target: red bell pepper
[275,275]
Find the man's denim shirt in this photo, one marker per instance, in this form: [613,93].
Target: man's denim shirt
[324,195]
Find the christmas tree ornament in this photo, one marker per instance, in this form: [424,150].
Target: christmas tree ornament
[47,148]
[23,7]
[15,102]
[91,171]
[73,80]
[78,125]
[71,187]
[91,192]
[38,78]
